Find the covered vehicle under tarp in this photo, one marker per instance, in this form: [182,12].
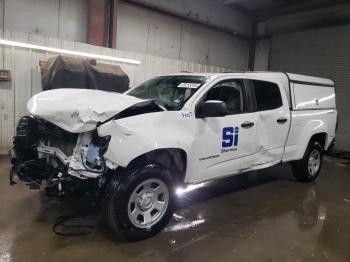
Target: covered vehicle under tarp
[69,72]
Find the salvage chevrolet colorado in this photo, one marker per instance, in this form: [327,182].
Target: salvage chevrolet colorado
[138,148]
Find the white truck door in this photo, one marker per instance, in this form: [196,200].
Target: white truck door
[225,145]
[273,121]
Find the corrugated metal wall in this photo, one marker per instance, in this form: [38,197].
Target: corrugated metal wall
[26,78]
[323,52]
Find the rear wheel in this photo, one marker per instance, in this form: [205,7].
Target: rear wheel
[140,202]
[308,168]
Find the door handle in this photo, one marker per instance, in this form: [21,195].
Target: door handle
[247,124]
[282,120]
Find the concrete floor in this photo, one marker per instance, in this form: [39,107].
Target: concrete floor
[263,216]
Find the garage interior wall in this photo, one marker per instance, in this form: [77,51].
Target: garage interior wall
[322,52]
[262,55]
[163,43]
[26,76]
[139,29]
[64,19]
[147,31]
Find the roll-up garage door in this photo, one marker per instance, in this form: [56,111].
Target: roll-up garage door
[322,52]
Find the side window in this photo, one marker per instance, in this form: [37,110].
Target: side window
[230,92]
[267,94]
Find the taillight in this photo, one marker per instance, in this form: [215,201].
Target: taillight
[337,123]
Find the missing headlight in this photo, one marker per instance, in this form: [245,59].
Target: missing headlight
[96,149]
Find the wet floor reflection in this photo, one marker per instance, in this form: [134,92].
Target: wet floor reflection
[262,216]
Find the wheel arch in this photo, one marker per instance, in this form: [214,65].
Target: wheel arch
[321,138]
[173,159]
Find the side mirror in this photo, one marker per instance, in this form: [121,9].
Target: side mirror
[211,108]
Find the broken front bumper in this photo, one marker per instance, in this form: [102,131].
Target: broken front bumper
[42,151]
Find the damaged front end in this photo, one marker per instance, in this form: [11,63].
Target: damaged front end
[58,142]
[67,161]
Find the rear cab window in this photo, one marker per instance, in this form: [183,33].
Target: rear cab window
[267,95]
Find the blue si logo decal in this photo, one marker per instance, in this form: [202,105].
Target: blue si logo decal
[229,139]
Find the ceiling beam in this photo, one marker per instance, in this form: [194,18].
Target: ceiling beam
[241,9]
[236,7]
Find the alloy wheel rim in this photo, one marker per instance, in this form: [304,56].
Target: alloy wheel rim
[314,162]
[148,203]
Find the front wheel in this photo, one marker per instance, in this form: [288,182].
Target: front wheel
[308,168]
[140,202]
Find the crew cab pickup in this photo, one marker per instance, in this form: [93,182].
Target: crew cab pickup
[140,148]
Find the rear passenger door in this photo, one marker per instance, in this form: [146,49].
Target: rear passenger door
[273,121]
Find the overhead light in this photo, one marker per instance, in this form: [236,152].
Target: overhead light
[68,52]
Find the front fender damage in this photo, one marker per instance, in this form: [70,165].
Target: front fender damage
[121,134]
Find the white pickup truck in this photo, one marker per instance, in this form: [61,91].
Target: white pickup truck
[140,148]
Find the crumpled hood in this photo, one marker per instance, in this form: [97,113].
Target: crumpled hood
[78,110]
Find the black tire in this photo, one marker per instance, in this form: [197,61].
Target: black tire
[118,193]
[301,170]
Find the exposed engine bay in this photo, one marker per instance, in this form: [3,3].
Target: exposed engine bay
[44,151]
[59,141]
